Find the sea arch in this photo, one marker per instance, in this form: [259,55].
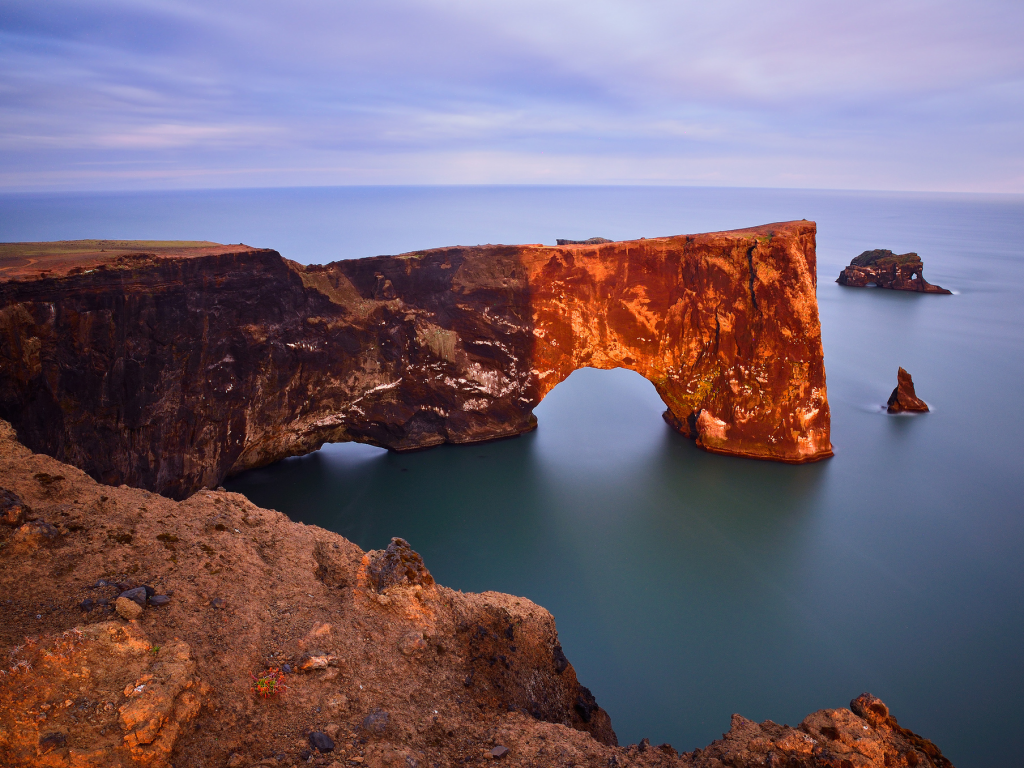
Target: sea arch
[173,369]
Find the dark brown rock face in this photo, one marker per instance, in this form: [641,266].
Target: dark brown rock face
[901,272]
[904,398]
[174,369]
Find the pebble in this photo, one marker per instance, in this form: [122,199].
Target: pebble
[157,600]
[51,741]
[498,751]
[376,722]
[218,603]
[128,609]
[314,662]
[320,740]
[412,644]
[136,595]
[287,669]
[13,511]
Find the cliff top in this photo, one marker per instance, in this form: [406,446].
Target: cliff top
[21,261]
[63,257]
[882,257]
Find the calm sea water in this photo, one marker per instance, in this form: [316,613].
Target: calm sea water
[689,586]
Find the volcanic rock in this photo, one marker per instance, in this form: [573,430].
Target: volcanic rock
[376,722]
[13,511]
[904,398]
[33,535]
[171,370]
[136,594]
[176,689]
[127,608]
[398,564]
[155,695]
[321,741]
[885,269]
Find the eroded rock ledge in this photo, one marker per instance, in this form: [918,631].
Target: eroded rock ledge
[171,369]
[394,669]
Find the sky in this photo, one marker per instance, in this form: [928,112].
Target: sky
[169,94]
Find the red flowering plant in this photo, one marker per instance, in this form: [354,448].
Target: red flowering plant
[269,683]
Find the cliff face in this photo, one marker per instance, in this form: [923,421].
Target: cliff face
[900,272]
[172,370]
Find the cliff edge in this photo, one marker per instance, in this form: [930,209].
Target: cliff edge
[171,368]
[134,627]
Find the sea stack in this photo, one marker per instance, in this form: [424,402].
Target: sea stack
[900,272]
[904,398]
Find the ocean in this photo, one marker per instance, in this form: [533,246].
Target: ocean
[688,586]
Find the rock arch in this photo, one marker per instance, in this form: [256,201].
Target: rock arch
[172,370]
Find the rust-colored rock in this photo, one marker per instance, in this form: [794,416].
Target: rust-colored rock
[412,673]
[904,398]
[98,695]
[171,370]
[885,269]
[13,511]
[864,735]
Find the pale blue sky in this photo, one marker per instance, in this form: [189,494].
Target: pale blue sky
[874,94]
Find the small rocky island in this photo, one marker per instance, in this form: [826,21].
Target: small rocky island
[904,398]
[885,269]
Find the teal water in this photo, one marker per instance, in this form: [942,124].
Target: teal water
[689,586]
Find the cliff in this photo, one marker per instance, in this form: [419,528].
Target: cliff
[172,368]
[381,667]
[885,269]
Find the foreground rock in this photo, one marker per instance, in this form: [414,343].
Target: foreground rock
[96,695]
[170,370]
[386,667]
[904,398]
[885,269]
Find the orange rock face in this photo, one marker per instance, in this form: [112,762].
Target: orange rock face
[101,695]
[173,369]
[725,326]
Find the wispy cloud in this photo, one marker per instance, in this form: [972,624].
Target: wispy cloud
[907,95]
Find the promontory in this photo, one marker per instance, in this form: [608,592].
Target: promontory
[169,366]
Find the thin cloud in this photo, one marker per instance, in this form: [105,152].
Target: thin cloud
[899,95]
